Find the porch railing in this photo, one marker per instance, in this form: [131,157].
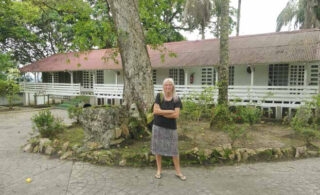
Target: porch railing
[285,96]
[59,89]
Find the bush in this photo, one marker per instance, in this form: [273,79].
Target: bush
[198,106]
[246,114]
[303,124]
[235,132]
[74,112]
[46,124]
[220,116]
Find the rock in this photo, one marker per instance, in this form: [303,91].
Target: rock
[66,155]
[123,162]
[313,153]
[232,156]
[195,150]
[49,150]
[245,156]
[207,153]
[288,152]
[65,147]
[277,152]
[152,158]
[94,145]
[238,155]
[220,151]
[227,146]
[117,141]
[36,149]
[300,151]
[118,132]
[43,143]
[28,148]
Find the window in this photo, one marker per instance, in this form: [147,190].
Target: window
[278,74]
[87,79]
[208,76]
[296,75]
[314,72]
[56,77]
[177,75]
[154,76]
[231,75]
[100,77]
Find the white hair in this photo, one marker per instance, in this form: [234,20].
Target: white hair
[170,80]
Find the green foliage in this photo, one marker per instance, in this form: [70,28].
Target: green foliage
[221,116]
[74,112]
[6,63]
[235,132]
[198,106]
[303,124]
[46,124]
[246,114]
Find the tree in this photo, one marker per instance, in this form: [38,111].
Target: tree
[223,69]
[206,14]
[138,86]
[5,64]
[197,14]
[304,13]
[238,17]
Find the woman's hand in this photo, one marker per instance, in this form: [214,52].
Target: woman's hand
[173,115]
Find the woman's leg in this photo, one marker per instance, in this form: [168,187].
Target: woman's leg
[176,163]
[158,159]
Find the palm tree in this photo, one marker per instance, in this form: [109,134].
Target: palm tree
[197,14]
[304,13]
[238,17]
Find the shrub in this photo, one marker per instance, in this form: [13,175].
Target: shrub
[246,114]
[303,124]
[220,116]
[235,132]
[198,106]
[46,124]
[74,112]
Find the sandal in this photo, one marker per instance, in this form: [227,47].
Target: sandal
[181,177]
[158,176]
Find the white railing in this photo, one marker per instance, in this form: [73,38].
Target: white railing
[285,96]
[59,89]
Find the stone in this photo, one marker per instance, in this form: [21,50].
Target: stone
[65,147]
[277,152]
[36,149]
[232,156]
[117,141]
[123,162]
[300,151]
[152,159]
[238,155]
[118,132]
[245,156]
[28,148]
[195,150]
[227,146]
[313,153]
[66,155]
[220,150]
[49,150]
[207,153]
[94,145]
[43,143]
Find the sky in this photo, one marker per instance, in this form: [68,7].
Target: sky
[257,17]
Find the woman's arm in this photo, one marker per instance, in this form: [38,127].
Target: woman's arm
[157,110]
[173,115]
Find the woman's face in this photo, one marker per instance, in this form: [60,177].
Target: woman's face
[168,87]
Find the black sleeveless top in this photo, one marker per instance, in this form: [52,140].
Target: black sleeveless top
[169,123]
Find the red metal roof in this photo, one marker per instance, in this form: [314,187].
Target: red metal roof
[280,47]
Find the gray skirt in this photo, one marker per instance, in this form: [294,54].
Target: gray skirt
[164,141]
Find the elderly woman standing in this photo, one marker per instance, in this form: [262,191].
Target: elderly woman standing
[164,131]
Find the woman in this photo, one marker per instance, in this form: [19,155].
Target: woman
[164,131]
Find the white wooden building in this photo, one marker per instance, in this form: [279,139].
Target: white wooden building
[275,70]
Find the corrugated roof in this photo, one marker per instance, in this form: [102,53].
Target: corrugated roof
[280,47]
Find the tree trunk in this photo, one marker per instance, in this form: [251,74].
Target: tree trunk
[223,70]
[202,32]
[138,86]
[238,17]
